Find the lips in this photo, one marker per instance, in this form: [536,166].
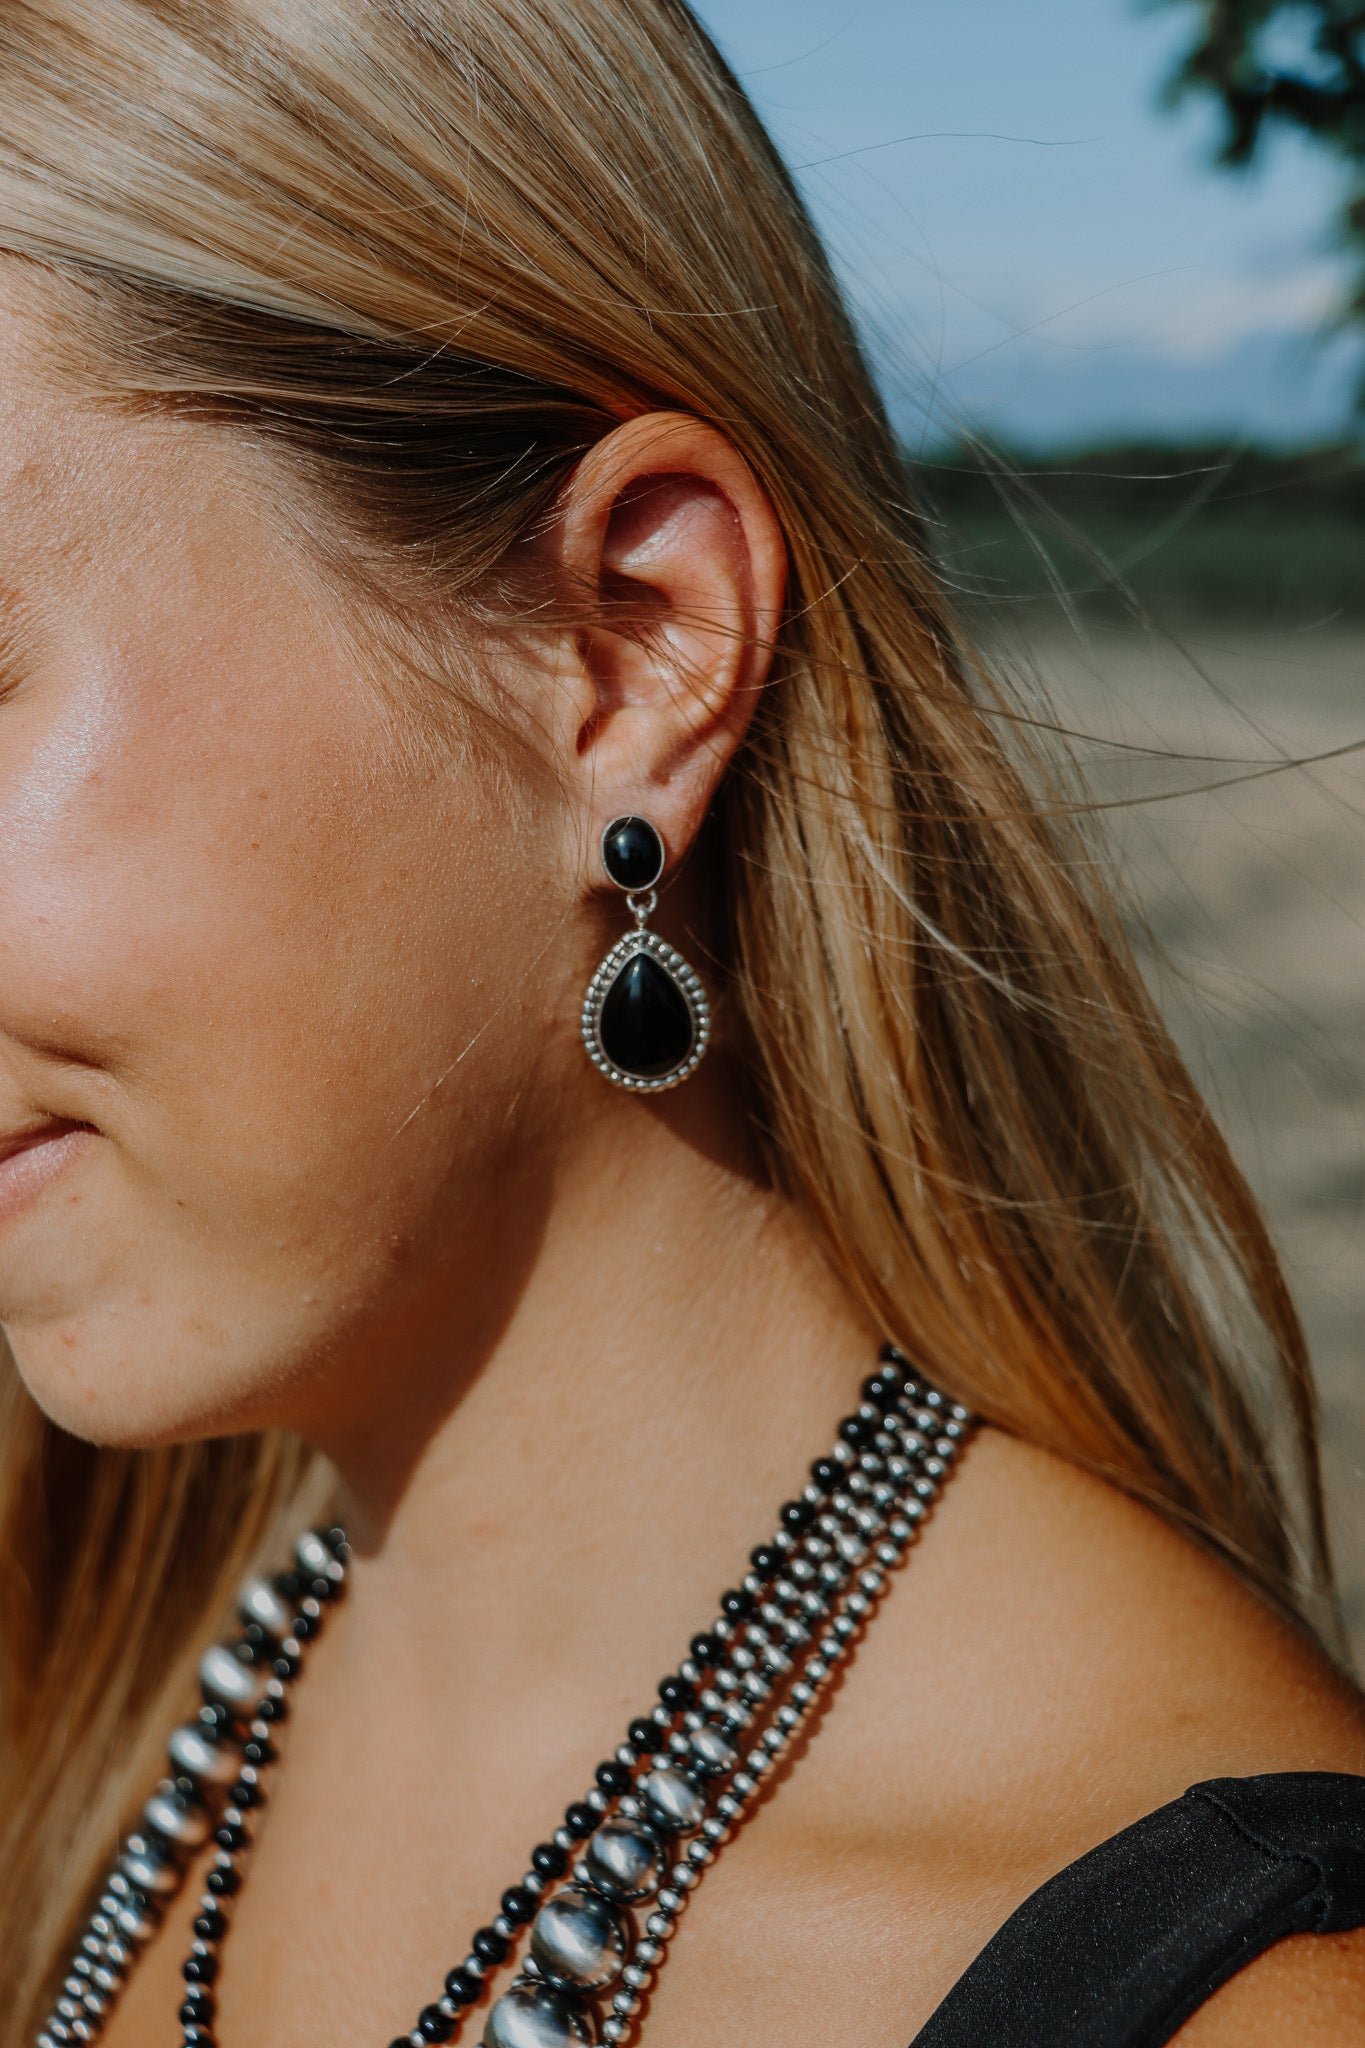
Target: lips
[32,1159]
[37,1134]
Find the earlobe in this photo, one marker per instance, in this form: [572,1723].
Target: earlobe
[667,524]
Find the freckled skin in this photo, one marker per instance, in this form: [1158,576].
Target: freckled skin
[205,949]
[308,967]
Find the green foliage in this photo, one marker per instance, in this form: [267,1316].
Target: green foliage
[1182,533]
[1289,63]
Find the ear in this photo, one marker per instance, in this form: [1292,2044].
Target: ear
[667,526]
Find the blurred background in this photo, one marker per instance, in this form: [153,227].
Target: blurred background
[1109,259]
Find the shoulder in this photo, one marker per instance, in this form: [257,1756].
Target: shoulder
[1309,1990]
[1054,1662]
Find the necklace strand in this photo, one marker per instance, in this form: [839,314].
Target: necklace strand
[657,1812]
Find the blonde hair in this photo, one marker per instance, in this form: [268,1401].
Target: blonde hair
[429,253]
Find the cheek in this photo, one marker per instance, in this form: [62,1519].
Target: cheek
[271,965]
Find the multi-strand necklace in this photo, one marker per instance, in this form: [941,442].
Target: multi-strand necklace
[603,1893]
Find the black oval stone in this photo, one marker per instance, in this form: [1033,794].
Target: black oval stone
[632,853]
[645,1027]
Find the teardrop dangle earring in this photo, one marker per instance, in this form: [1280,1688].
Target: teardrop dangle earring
[646,1020]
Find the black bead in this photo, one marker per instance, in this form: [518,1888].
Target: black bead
[645,1026]
[335,1539]
[580,1820]
[214,1718]
[549,1860]
[231,1835]
[766,1561]
[705,1650]
[736,1604]
[519,1905]
[857,1429]
[188,1790]
[677,1693]
[199,1969]
[890,1355]
[881,1392]
[273,1710]
[490,1946]
[632,853]
[244,1795]
[289,1586]
[304,1626]
[644,1736]
[257,1752]
[198,2008]
[403,2041]
[797,1514]
[286,1667]
[462,1987]
[224,1882]
[434,2025]
[614,1778]
[827,1472]
[196,2036]
[211,1925]
[254,1634]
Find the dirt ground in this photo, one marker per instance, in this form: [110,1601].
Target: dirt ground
[1255,892]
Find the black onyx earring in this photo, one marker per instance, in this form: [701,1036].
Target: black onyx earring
[646,1020]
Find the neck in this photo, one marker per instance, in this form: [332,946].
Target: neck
[599,1464]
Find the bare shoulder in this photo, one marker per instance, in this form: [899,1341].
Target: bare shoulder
[1309,1989]
[1063,1661]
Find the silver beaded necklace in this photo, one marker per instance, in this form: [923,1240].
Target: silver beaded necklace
[604,1892]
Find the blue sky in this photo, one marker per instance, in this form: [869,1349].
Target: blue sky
[1035,246]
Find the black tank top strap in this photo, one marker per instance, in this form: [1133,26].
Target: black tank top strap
[1121,1947]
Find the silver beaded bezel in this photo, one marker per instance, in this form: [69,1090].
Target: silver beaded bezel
[689,986]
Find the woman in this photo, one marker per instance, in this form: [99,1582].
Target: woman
[449,531]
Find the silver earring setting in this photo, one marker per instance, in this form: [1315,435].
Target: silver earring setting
[646,1019]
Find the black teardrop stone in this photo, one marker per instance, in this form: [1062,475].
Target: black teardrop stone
[632,853]
[645,1027]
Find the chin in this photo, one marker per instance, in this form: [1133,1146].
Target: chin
[98,1381]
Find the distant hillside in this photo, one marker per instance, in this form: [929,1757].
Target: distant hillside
[1188,532]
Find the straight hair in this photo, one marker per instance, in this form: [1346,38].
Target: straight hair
[427,253]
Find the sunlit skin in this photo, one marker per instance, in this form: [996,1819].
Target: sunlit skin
[295,1128]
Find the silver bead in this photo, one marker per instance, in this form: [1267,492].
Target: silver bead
[672,1900]
[659,1927]
[315,1560]
[580,1941]
[176,1821]
[672,1802]
[636,1976]
[743,1786]
[626,2002]
[193,1755]
[259,1602]
[614,2030]
[530,2015]
[714,1830]
[146,1867]
[239,1686]
[623,1860]
[647,1953]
